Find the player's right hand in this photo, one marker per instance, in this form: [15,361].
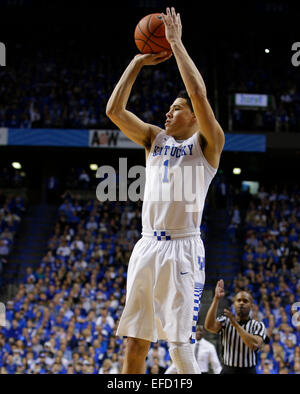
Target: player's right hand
[219,292]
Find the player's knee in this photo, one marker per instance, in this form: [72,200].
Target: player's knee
[137,347]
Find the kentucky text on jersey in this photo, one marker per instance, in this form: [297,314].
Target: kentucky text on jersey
[174,151]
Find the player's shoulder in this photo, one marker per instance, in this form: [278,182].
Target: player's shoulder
[155,131]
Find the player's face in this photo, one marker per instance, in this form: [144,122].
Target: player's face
[242,304]
[180,118]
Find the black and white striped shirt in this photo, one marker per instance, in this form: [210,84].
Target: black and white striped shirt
[235,352]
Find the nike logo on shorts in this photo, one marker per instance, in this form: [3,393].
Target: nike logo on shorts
[183,273]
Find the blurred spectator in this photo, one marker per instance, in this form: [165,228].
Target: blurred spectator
[108,368]
[52,189]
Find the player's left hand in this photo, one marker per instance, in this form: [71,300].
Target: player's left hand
[173,27]
[231,317]
[151,59]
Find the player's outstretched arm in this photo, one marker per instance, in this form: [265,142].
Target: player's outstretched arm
[138,131]
[196,89]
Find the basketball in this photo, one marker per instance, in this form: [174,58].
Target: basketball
[150,36]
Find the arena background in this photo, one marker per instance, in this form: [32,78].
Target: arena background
[94,44]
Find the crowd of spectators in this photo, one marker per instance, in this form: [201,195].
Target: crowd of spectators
[11,212]
[271,272]
[63,90]
[11,177]
[64,315]
[252,70]
[284,116]
[58,88]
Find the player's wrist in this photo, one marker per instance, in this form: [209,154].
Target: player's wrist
[175,42]
[139,59]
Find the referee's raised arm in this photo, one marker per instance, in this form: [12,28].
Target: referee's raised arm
[241,335]
[211,323]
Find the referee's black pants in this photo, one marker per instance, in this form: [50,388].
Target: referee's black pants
[238,371]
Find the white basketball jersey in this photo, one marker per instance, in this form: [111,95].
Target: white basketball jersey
[177,181]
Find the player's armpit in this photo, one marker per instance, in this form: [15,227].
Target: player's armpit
[211,153]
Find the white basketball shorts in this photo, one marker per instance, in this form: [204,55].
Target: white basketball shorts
[165,280]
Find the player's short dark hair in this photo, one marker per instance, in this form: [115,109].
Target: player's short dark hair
[184,94]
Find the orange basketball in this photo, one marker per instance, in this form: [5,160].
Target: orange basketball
[150,36]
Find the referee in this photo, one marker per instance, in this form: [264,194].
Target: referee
[241,335]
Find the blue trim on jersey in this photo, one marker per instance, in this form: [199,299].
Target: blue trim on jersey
[198,289]
[160,234]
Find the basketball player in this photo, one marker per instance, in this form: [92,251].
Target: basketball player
[166,269]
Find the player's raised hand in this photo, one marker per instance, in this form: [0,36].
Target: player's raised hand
[151,59]
[173,27]
[219,292]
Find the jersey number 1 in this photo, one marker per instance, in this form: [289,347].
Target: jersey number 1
[166,164]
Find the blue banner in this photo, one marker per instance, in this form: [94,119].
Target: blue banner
[110,139]
[245,142]
[48,137]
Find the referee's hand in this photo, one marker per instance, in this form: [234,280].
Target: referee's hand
[231,317]
[219,292]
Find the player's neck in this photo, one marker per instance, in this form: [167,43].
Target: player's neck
[184,136]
